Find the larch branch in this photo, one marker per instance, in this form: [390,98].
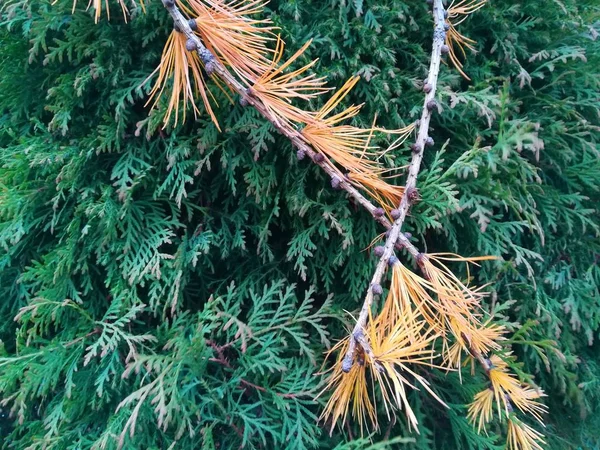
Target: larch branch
[214,68]
[410,190]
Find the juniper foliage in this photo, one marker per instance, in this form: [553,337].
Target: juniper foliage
[177,288]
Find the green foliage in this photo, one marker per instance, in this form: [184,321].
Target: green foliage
[177,288]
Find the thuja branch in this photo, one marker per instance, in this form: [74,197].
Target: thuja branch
[214,67]
[410,191]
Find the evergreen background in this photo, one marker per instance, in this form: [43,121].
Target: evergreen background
[177,288]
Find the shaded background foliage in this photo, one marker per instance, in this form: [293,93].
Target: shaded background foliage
[178,287]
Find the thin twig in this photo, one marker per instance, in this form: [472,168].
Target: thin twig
[410,191]
[487,366]
[221,359]
[215,68]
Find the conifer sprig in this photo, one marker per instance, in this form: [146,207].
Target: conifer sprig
[276,88]
[455,41]
[185,69]
[522,437]
[230,32]
[506,392]
[387,354]
[350,147]
[97,6]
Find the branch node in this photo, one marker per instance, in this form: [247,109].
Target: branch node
[362,341]
[347,363]
[379,251]
[509,405]
[335,182]
[379,212]
[318,158]
[360,358]
[190,45]
[404,243]
[413,195]
[210,65]
[377,289]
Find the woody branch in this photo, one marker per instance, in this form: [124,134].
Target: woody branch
[410,191]
[214,68]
